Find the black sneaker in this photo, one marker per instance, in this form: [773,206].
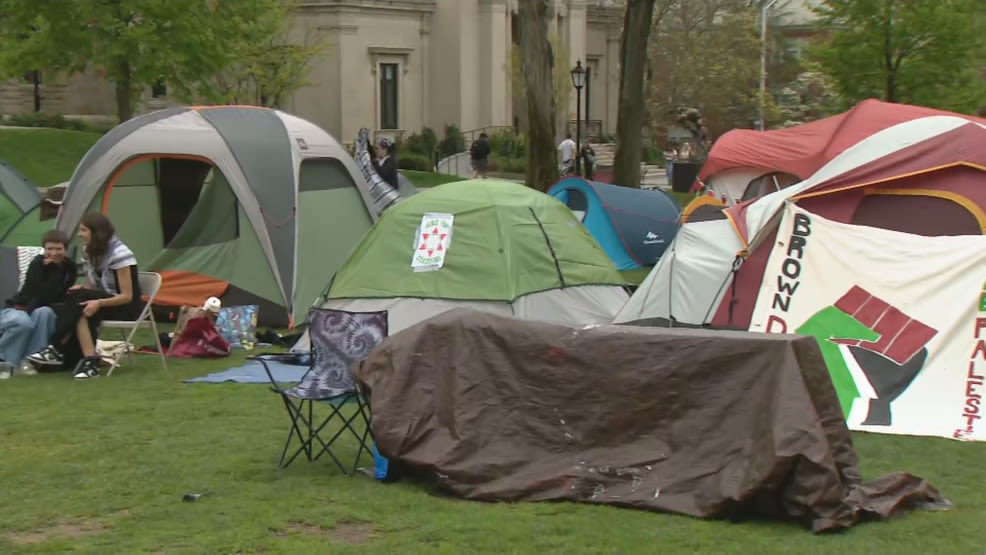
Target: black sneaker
[49,356]
[88,368]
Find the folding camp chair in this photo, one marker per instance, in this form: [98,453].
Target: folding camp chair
[338,340]
[149,282]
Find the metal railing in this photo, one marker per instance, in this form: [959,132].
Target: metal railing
[473,134]
[592,130]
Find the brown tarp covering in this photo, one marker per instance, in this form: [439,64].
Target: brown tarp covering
[704,423]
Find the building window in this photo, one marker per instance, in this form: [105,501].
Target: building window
[388,96]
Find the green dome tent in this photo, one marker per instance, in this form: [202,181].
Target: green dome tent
[489,245]
[20,220]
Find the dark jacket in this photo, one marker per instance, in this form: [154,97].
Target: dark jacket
[480,149]
[44,284]
[388,171]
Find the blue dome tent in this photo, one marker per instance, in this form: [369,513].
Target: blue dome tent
[633,226]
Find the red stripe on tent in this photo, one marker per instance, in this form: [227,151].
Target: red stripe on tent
[803,149]
[927,156]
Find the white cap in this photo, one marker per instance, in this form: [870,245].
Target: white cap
[212,304]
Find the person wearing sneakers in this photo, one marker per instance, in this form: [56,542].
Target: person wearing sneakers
[28,319]
[112,292]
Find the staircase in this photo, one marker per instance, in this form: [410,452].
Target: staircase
[651,176]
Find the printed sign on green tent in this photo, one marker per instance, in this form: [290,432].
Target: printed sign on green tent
[432,241]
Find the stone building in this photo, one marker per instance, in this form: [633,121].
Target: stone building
[397,66]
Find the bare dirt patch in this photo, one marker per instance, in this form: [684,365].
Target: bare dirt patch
[65,530]
[354,533]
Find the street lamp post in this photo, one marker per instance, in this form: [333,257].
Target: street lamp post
[764,6]
[578,81]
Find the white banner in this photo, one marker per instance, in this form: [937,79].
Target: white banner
[432,241]
[900,319]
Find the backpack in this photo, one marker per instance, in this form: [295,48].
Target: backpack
[474,149]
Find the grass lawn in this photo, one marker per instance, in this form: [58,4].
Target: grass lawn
[45,156]
[429,179]
[101,467]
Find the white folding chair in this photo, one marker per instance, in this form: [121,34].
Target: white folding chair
[150,283]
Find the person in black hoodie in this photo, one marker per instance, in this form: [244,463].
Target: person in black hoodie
[28,319]
[386,162]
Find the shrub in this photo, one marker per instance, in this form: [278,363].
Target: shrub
[55,121]
[507,164]
[413,161]
[508,144]
[453,143]
[425,143]
[652,155]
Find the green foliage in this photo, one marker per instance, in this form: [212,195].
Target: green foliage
[418,150]
[413,161]
[707,55]
[652,155]
[424,143]
[266,72]
[925,52]
[55,121]
[135,43]
[507,164]
[508,144]
[453,143]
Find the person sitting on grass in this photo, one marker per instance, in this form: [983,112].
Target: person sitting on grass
[112,292]
[28,319]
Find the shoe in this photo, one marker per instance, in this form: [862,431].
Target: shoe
[49,356]
[25,369]
[4,370]
[88,368]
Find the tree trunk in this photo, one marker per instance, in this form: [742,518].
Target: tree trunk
[629,117]
[124,93]
[536,64]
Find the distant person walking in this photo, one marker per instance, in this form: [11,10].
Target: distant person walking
[567,150]
[479,155]
[588,160]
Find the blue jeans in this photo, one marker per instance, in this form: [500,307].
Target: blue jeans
[24,333]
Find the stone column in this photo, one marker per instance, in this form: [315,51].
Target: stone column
[424,57]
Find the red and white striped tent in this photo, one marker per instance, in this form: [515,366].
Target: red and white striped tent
[745,164]
[886,242]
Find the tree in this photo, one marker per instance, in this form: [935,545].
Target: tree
[268,71]
[561,77]
[537,61]
[134,43]
[638,18]
[926,52]
[706,55]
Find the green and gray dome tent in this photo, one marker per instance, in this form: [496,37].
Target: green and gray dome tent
[508,249]
[248,204]
[20,219]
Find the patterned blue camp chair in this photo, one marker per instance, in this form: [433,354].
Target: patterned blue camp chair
[338,339]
